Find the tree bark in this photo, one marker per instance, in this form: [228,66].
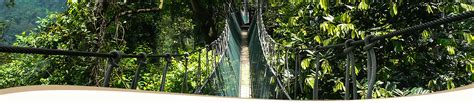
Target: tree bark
[204,21]
[100,7]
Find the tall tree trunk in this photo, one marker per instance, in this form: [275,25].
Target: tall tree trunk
[99,11]
[204,21]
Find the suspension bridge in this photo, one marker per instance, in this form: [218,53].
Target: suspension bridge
[243,61]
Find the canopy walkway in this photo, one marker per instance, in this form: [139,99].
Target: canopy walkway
[244,63]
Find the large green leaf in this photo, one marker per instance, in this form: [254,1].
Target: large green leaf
[327,42]
[398,46]
[329,18]
[346,18]
[326,66]
[469,67]
[305,63]
[324,4]
[468,37]
[467,7]
[445,41]
[338,86]
[472,77]
[363,5]
[310,81]
[393,9]
[344,28]
[317,39]
[429,9]
[425,35]
[450,84]
[451,50]
[417,91]
[432,84]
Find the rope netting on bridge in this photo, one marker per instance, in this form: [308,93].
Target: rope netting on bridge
[224,80]
[265,57]
[272,76]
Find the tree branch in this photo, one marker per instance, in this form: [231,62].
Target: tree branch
[139,11]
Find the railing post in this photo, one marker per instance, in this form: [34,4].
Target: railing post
[297,72]
[207,59]
[353,73]
[216,52]
[287,65]
[141,65]
[371,64]
[113,62]
[316,76]
[349,67]
[301,78]
[199,69]
[163,78]
[185,72]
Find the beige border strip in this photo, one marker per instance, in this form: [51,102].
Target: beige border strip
[438,92]
[455,89]
[70,87]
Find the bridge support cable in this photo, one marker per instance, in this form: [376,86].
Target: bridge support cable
[43,51]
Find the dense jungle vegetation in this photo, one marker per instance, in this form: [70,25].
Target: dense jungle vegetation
[435,59]
[19,16]
[151,26]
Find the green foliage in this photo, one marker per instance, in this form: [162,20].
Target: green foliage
[393,9]
[421,62]
[324,4]
[326,67]
[21,15]
[169,30]
[305,63]
[467,7]
[363,5]
[338,85]
[3,27]
[425,35]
